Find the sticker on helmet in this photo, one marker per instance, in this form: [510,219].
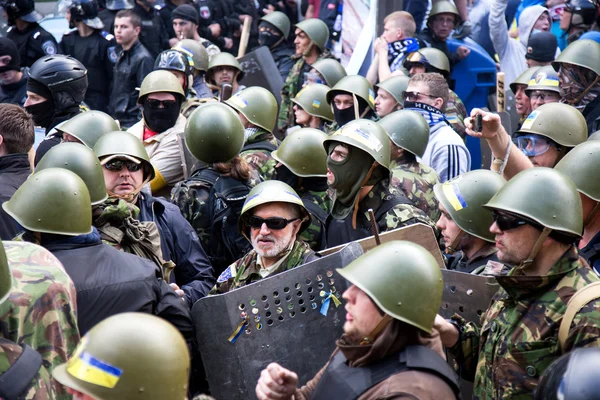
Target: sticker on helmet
[316,103]
[88,368]
[529,120]
[365,138]
[49,47]
[112,54]
[371,97]
[453,195]
[238,101]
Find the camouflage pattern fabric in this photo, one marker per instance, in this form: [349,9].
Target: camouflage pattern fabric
[246,270]
[518,337]
[456,112]
[40,310]
[416,181]
[314,233]
[261,161]
[192,199]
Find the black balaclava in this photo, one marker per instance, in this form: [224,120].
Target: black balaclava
[267,38]
[342,117]
[41,113]
[160,119]
[9,48]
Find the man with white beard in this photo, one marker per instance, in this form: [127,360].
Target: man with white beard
[272,217]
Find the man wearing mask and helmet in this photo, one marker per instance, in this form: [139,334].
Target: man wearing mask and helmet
[577,18]
[351,98]
[273,31]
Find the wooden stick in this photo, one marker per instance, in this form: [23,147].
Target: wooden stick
[374,227]
[500,92]
[245,37]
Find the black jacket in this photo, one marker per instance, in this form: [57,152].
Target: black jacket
[180,244]
[153,34]
[429,40]
[591,113]
[282,54]
[33,43]
[130,70]
[14,170]
[54,137]
[15,93]
[165,13]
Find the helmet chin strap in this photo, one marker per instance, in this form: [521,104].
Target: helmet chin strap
[536,248]
[590,218]
[128,197]
[453,247]
[367,177]
[385,321]
[308,49]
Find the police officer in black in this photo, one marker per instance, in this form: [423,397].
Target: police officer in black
[13,78]
[165,13]
[218,20]
[154,34]
[94,48]
[32,40]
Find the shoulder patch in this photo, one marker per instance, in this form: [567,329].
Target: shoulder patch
[227,274]
[49,47]
[112,54]
[36,35]
[107,35]
[158,7]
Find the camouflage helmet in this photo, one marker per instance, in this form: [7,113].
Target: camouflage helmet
[353,85]
[160,81]
[408,130]
[443,7]
[464,196]
[195,52]
[545,78]
[313,100]
[54,200]
[594,136]
[302,152]
[258,105]
[128,356]
[123,144]
[80,160]
[89,126]
[581,165]
[559,122]
[523,79]
[366,135]
[583,53]
[544,196]
[214,133]
[279,20]
[271,192]
[395,275]
[428,56]
[316,30]
[223,60]
[5,275]
[395,86]
[331,70]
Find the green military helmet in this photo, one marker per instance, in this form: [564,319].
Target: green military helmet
[395,86]
[353,84]
[443,7]
[594,136]
[408,130]
[223,60]
[195,52]
[214,133]
[559,122]
[395,275]
[89,126]
[5,275]
[54,200]
[583,53]
[313,100]
[368,136]
[257,104]
[523,79]
[464,196]
[316,30]
[545,78]
[581,165]
[429,56]
[129,356]
[544,196]
[123,144]
[331,70]
[302,152]
[160,81]
[279,20]
[80,160]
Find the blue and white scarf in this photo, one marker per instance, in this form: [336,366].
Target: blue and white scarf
[398,50]
[431,114]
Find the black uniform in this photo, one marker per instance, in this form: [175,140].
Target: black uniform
[15,93]
[108,19]
[14,170]
[153,34]
[220,12]
[33,43]
[165,13]
[282,54]
[98,53]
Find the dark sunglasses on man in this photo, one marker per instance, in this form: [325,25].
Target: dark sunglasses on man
[117,165]
[414,96]
[156,104]
[508,222]
[273,223]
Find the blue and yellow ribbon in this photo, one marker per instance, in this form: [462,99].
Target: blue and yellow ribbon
[238,330]
[328,299]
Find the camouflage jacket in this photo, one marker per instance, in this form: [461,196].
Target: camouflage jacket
[261,161]
[518,337]
[246,270]
[416,181]
[40,310]
[314,235]
[456,112]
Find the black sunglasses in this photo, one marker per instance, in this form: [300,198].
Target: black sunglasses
[274,223]
[117,165]
[414,96]
[153,103]
[508,222]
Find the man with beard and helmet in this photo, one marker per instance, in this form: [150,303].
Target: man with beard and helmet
[358,170]
[577,18]
[273,31]
[302,164]
[272,218]
[31,39]
[94,48]
[350,99]
[126,170]
[389,349]
[311,37]
[161,97]
[537,219]
[198,60]
[13,77]
[465,225]
[579,76]
[56,88]
[224,68]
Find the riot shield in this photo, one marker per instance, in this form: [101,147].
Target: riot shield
[279,319]
[467,295]
[260,70]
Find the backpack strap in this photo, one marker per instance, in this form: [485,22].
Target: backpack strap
[17,379]
[268,146]
[390,203]
[581,297]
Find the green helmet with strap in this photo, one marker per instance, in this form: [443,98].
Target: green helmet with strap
[195,52]
[583,53]
[313,100]
[123,144]
[559,122]
[395,275]
[331,70]
[395,86]
[80,160]
[160,81]
[257,104]
[279,20]
[223,60]
[128,356]
[429,56]
[316,30]
[544,196]
[523,79]
[443,7]
[302,152]
[5,275]
[214,133]
[353,85]
[464,196]
[545,78]
[581,165]
[408,130]
[89,126]
[54,200]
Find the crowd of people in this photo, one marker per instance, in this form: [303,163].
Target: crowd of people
[164,178]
